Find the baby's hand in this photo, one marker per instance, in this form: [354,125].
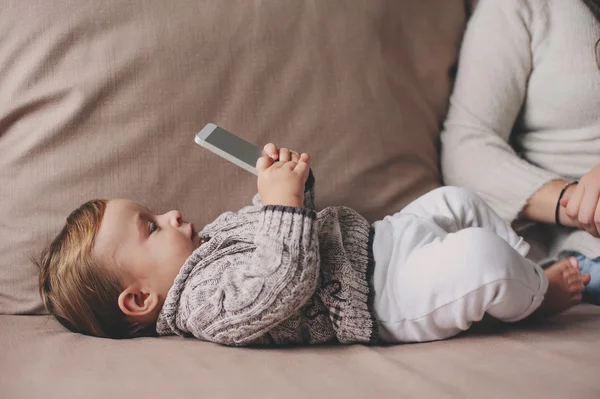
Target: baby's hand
[282,174]
[283,154]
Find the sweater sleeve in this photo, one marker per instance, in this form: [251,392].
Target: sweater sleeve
[240,298]
[494,67]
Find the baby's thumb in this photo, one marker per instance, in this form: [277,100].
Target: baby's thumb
[263,163]
[564,201]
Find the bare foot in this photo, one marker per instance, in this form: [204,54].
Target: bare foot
[565,285]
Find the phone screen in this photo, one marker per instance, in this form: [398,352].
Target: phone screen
[235,146]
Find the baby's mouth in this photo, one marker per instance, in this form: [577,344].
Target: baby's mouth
[193,232]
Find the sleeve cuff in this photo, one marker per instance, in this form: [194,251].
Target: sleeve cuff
[304,212]
[286,224]
[512,184]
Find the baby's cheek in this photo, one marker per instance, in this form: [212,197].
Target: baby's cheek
[184,251]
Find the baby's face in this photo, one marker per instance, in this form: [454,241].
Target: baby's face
[148,249]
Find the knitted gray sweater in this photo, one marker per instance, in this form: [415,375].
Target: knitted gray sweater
[271,275]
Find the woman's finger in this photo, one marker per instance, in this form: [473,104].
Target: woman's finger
[564,201]
[572,209]
[587,209]
[597,219]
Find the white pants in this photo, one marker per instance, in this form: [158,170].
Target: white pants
[443,262]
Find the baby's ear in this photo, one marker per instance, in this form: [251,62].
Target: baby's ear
[134,302]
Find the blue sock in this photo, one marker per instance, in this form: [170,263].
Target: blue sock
[591,293]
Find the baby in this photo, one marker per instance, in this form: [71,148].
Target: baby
[278,272]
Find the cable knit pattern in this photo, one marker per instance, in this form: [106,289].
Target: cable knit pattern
[276,275]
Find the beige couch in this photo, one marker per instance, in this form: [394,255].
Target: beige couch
[103,98]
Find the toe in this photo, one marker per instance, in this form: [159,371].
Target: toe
[574,262]
[585,278]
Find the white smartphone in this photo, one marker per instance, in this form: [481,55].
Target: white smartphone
[229,146]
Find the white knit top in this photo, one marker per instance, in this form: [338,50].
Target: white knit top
[526,106]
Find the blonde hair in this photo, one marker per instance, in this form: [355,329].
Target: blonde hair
[79,289]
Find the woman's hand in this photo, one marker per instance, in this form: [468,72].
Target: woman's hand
[582,204]
[282,174]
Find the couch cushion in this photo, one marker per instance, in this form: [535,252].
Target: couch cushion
[102,99]
[556,358]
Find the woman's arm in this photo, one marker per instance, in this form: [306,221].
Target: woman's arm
[541,206]
[494,67]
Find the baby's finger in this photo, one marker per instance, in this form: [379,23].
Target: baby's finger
[263,163]
[271,150]
[290,165]
[305,157]
[302,169]
[284,155]
[278,164]
[295,156]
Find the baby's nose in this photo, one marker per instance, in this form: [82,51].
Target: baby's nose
[177,218]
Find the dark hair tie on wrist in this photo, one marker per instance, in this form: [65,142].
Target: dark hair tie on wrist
[562,192]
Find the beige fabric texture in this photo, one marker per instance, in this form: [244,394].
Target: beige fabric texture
[102,99]
[556,359]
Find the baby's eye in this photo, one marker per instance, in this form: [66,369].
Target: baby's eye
[152,227]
